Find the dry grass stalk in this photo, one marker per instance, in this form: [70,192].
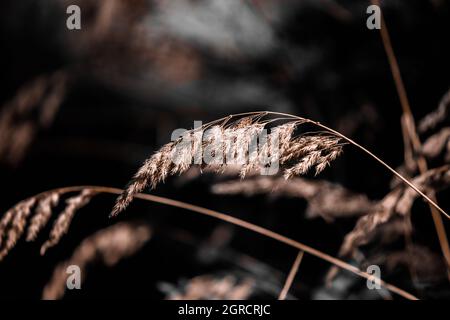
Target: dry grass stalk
[431,181]
[291,276]
[325,199]
[438,116]
[214,288]
[62,224]
[109,245]
[392,230]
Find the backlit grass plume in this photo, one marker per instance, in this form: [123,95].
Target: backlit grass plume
[298,154]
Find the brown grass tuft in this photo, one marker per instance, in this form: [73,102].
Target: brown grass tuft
[110,245]
[428,266]
[398,202]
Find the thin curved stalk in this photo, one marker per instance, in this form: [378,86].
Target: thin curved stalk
[246,225]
